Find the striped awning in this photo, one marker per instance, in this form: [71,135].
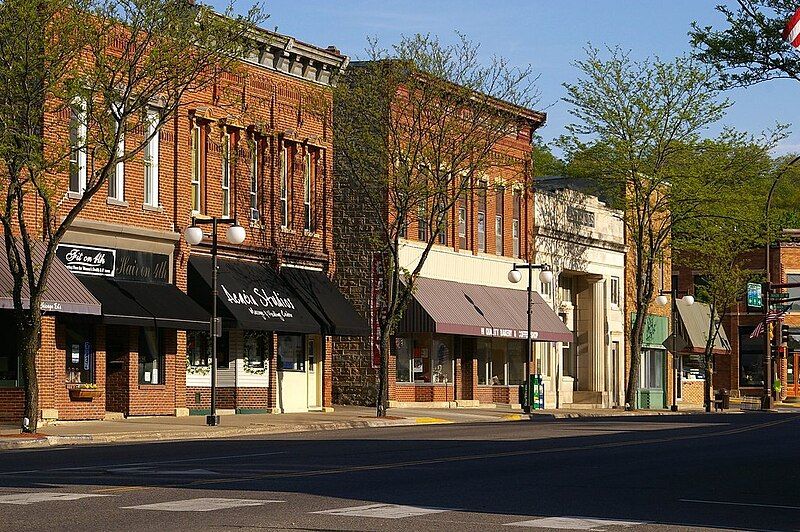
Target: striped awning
[62,293]
[449,307]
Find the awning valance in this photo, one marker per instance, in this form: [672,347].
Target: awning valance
[695,320]
[252,294]
[336,315]
[63,291]
[146,304]
[449,307]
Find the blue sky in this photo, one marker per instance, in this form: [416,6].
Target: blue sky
[548,34]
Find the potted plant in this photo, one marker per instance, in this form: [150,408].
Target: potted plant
[83,391]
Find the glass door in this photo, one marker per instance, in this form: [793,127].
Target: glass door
[791,374]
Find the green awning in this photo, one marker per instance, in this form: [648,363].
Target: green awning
[656,330]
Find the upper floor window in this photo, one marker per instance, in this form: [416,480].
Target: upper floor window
[308,222]
[422,224]
[151,159]
[284,185]
[615,290]
[254,213]
[226,174]
[481,191]
[116,180]
[77,146]
[498,221]
[515,223]
[196,168]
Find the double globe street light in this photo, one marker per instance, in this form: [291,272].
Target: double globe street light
[194,235]
[546,277]
[664,297]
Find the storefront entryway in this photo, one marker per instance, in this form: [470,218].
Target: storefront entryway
[299,373]
[792,386]
[652,387]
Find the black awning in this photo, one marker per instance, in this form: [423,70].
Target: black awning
[146,304]
[252,294]
[335,313]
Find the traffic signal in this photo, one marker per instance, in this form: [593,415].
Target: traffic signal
[784,337]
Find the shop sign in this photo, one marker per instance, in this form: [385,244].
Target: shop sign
[507,333]
[142,266]
[262,304]
[754,299]
[87,260]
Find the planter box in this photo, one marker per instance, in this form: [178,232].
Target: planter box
[84,393]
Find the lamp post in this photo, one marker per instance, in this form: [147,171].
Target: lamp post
[545,276]
[662,301]
[194,235]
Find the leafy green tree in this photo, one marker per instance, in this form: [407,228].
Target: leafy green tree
[414,129]
[106,64]
[639,135]
[750,48]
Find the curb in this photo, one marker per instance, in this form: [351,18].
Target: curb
[167,435]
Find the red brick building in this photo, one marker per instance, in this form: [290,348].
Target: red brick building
[462,337]
[246,149]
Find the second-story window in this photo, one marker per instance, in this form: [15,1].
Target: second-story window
[151,160]
[308,169]
[77,146]
[116,181]
[615,290]
[196,169]
[422,223]
[226,174]
[481,191]
[284,184]
[254,213]
[498,221]
[517,200]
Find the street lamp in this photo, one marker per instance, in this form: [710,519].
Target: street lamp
[515,276]
[662,301]
[194,235]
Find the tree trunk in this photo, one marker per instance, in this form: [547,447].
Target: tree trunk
[708,386]
[29,326]
[382,399]
[635,344]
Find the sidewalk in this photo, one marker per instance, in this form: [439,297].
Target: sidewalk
[139,429]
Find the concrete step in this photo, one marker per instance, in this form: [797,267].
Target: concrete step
[582,406]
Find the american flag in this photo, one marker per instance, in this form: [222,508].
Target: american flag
[772,316]
[791,32]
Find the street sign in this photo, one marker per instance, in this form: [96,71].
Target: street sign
[779,295]
[754,299]
[680,344]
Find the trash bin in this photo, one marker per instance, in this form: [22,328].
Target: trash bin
[725,395]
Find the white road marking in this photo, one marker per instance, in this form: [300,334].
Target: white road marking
[205,504]
[573,523]
[753,504]
[45,496]
[381,511]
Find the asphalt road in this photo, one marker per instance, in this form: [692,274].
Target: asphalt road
[737,471]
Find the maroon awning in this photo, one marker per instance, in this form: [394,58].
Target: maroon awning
[448,307]
[63,292]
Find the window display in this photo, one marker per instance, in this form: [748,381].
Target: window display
[290,352]
[79,344]
[151,356]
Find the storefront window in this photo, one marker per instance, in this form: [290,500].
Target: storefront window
[10,371]
[224,350]
[290,352]
[151,356]
[498,362]
[516,361]
[403,359]
[751,359]
[652,369]
[198,348]
[442,359]
[80,354]
[484,360]
[421,363]
[255,349]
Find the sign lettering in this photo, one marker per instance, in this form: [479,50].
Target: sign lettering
[87,260]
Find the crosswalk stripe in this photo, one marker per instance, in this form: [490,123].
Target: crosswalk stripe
[573,523]
[203,504]
[381,511]
[44,496]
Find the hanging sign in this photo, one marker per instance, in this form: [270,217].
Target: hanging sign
[754,299]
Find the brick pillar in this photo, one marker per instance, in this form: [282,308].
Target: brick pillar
[180,375]
[327,372]
[459,381]
[392,384]
[272,401]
